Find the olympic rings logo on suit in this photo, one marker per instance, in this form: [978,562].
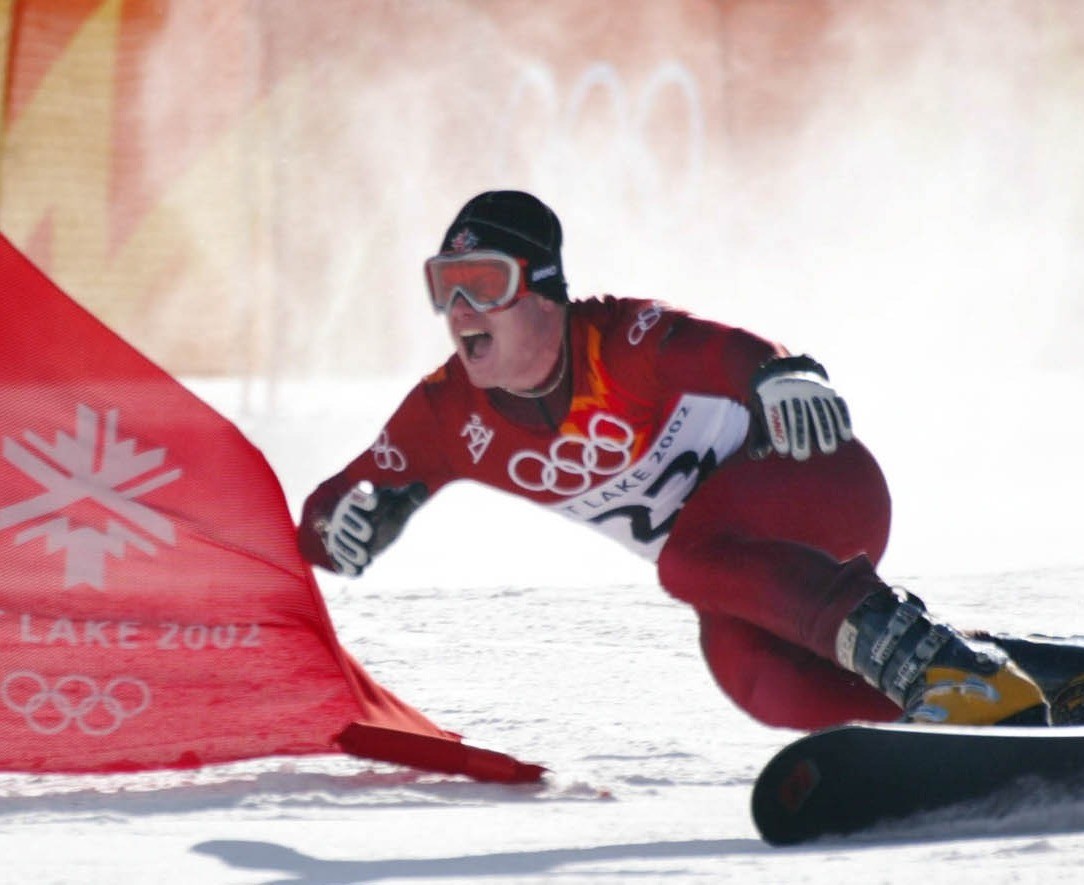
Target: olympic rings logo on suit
[645,321]
[387,456]
[74,699]
[573,459]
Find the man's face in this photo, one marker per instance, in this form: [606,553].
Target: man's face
[512,348]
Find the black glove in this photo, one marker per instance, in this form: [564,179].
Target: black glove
[365,521]
[793,407]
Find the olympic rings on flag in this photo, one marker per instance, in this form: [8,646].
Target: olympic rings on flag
[75,699]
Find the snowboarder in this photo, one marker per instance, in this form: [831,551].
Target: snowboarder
[712,451]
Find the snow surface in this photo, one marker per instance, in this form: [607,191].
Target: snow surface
[531,636]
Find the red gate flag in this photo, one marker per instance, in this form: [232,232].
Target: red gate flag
[154,610]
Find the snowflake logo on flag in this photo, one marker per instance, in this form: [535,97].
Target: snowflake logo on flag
[94,465]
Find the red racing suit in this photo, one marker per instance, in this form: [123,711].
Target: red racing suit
[645,441]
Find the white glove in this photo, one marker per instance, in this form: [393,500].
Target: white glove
[365,521]
[349,531]
[795,406]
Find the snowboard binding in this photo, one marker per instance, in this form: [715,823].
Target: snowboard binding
[1056,665]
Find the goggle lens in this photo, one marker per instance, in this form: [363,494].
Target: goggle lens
[487,280]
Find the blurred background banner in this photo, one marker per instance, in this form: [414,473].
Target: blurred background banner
[248,189]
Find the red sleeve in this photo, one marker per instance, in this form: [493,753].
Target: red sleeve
[407,449]
[701,356]
[404,452]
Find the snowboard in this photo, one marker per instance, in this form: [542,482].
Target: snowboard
[843,780]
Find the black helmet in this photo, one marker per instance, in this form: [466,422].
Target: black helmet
[519,225]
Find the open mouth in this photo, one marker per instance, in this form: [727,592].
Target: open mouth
[476,344]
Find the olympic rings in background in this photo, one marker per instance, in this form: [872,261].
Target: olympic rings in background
[536,95]
[96,710]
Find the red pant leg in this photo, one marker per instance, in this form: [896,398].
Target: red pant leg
[785,547]
[838,503]
[782,544]
[783,685]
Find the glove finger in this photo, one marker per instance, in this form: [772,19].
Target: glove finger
[347,568]
[824,425]
[346,545]
[779,426]
[843,417]
[355,521]
[757,442]
[350,559]
[363,498]
[799,429]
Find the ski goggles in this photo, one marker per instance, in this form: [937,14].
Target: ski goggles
[486,279]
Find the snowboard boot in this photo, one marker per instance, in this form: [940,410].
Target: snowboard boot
[1056,665]
[934,673]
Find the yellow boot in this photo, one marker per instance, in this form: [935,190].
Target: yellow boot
[932,671]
